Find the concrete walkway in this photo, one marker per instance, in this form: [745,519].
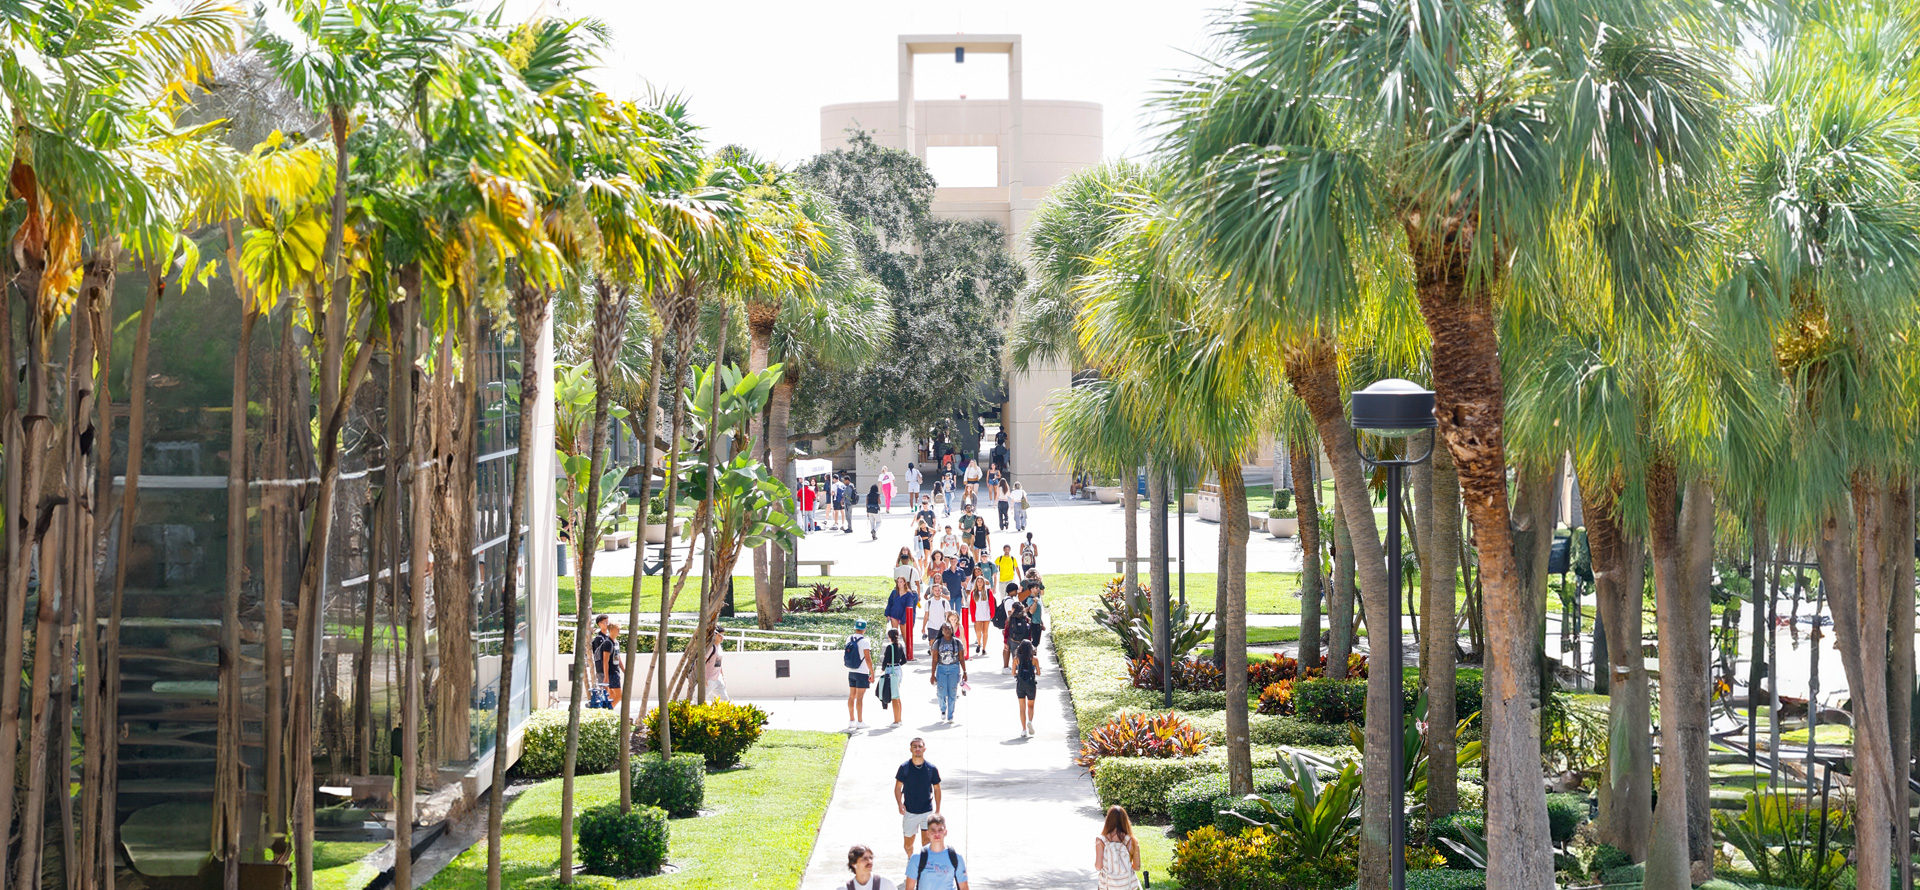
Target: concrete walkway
[1018,809]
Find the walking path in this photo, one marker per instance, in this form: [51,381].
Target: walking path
[1017,808]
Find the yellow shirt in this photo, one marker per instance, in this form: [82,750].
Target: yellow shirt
[1008,568]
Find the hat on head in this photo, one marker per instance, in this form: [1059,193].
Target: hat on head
[860,624]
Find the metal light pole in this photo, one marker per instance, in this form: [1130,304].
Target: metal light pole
[1395,409]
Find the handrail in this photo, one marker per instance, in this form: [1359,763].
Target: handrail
[740,637]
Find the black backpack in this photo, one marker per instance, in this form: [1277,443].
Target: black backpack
[953,862]
[1000,614]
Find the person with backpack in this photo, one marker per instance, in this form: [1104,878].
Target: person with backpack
[916,791]
[1017,630]
[858,657]
[1029,556]
[940,615]
[860,862]
[1003,497]
[837,518]
[980,610]
[873,512]
[980,538]
[901,603]
[1026,682]
[606,657]
[1019,498]
[1001,609]
[949,489]
[893,657]
[949,670]
[938,867]
[1116,853]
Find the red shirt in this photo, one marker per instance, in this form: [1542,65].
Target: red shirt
[806,497]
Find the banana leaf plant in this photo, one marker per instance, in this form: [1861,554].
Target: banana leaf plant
[1323,824]
[1414,743]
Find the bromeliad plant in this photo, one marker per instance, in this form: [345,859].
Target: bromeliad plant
[822,599]
[1141,735]
[1789,843]
[1131,619]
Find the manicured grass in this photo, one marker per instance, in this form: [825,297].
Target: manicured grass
[612,594]
[1156,854]
[1268,593]
[337,865]
[759,832]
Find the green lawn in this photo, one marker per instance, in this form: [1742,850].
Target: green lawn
[612,594]
[337,865]
[759,833]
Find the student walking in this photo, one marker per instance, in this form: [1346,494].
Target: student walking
[1026,683]
[939,866]
[949,670]
[893,657]
[1116,853]
[716,679]
[916,791]
[940,616]
[605,649]
[1019,497]
[913,484]
[857,655]
[980,610]
[860,862]
[886,488]
[900,608]
[804,499]
[1016,630]
[840,519]
[1003,497]
[1004,567]
[873,512]
[1029,556]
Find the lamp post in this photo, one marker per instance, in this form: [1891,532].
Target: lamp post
[1394,409]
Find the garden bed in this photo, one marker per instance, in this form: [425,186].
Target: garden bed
[776,798]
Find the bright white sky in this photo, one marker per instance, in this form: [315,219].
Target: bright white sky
[757,71]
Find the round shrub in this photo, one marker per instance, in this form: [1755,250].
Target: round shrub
[678,785]
[1565,812]
[1277,697]
[544,752]
[719,731]
[1624,874]
[1606,856]
[1448,828]
[1199,801]
[623,844]
[1331,702]
[1190,803]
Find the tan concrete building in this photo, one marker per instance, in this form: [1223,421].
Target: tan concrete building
[1036,143]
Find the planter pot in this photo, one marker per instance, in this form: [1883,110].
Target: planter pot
[657,534]
[1107,494]
[1283,527]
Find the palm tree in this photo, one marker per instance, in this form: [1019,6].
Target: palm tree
[1328,128]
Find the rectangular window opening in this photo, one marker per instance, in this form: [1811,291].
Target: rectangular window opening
[964,166]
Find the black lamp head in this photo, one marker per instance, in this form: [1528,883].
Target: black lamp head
[1393,408]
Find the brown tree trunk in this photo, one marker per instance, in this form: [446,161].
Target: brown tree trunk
[1442,639]
[714,581]
[1232,627]
[1683,620]
[413,464]
[1470,404]
[1535,497]
[1157,561]
[530,308]
[1899,574]
[1340,631]
[780,461]
[1854,557]
[677,310]
[1130,503]
[92,864]
[1306,504]
[1313,371]
[454,487]
[767,586]
[229,808]
[1619,577]
[647,426]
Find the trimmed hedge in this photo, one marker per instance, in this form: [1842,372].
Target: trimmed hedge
[1625,874]
[1447,879]
[1295,732]
[1141,783]
[544,752]
[1331,702]
[1565,812]
[623,844]
[1448,827]
[1199,800]
[678,786]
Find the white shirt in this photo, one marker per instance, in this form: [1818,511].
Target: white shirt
[913,476]
[939,608]
[1019,495]
[878,883]
[866,647]
[910,572]
[973,472]
[949,544]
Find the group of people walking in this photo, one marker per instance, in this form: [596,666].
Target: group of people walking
[946,595]
[938,866]
[967,488]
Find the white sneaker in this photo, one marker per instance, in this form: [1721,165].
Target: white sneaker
[860,724]
[1030,729]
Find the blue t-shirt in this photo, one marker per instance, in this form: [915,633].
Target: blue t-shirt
[918,782]
[953,578]
[940,873]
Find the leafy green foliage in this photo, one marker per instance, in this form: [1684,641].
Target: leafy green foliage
[1565,812]
[1141,783]
[718,731]
[678,786]
[1212,859]
[544,751]
[1788,842]
[1201,800]
[951,283]
[1446,879]
[1131,619]
[749,505]
[1450,833]
[1141,735]
[1189,675]
[1466,753]
[823,599]
[1296,732]
[623,844]
[1330,701]
[1319,831]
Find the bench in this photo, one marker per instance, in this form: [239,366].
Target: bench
[1119,562]
[825,565]
[615,540]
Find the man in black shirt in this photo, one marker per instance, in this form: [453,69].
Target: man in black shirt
[916,791]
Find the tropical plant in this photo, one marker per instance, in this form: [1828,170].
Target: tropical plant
[1317,833]
[1131,619]
[1789,842]
[1140,735]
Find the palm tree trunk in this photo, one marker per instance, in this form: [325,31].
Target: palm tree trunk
[229,809]
[1157,564]
[1306,502]
[416,457]
[639,577]
[1534,500]
[1899,574]
[680,318]
[1683,618]
[1130,503]
[92,866]
[767,586]
[779,445]
[530,309]
[454,488]
[1856,559]
[1312,369]
[1442,638]
[1232,629]
[277,514]
[1619,579]
[1340,603]
[1470,404]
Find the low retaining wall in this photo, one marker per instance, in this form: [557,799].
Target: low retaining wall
[796,674]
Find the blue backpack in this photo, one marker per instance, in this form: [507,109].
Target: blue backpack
[852,654]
